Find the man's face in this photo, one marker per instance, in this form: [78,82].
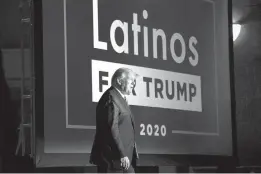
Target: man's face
[128,83]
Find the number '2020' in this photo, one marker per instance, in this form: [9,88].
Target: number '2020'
[153,130]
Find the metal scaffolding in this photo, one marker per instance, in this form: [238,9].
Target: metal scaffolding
[27,140]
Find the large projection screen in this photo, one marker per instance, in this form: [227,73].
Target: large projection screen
[179,48]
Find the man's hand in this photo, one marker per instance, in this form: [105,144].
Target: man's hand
[125,162]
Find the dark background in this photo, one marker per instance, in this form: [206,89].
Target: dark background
[247,64]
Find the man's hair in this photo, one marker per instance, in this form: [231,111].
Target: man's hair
[120,73]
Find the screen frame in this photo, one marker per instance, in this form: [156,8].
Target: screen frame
[45,160]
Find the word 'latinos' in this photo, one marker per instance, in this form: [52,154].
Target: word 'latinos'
[157,34]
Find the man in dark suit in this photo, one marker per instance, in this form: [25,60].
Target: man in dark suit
[114,148]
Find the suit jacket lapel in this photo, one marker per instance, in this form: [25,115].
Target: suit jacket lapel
[132,119]
[131,115]
[127,106]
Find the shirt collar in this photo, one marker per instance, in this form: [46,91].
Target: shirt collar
[123,96]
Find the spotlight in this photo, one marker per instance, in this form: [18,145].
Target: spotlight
[236,31]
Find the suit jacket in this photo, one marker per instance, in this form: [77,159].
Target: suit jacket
[115,131]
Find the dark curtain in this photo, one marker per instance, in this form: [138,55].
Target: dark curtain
[9,120]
